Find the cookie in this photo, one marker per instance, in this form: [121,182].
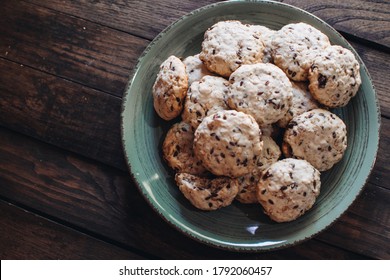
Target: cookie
[295,46]
[261,90]
[269,155]
[229,44]
[288,189]
[170,88]
[205,97]
[178,150]
[195,69]
[334,77]
[207,194]
[302,101]
[318,136]
[228,143]
[265,35]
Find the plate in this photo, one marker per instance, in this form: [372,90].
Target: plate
[240,227]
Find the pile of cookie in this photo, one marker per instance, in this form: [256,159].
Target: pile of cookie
[251,95]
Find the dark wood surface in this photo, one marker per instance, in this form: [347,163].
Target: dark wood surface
[65,192]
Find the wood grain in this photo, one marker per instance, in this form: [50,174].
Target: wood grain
[57,111]
[380,175]
[374,60]
[104,201]
[142,18]
[24,235]
[366,225]
[366,19]
[68,47]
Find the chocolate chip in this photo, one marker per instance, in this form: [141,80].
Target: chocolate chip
[322,80]
[267,175]
[292,124]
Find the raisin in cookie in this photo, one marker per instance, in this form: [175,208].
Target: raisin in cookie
[228,143]
[195,69]
[288,189]
[294,48]
[265,34]
[205,97]
[302,101]
[269,155]
[170,88]
[261,90]
[178,150]
[334,77]
[318,136]
[207,194]
[229,44]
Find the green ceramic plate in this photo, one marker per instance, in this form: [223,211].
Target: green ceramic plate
[240,227]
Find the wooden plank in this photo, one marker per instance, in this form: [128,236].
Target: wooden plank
[381,172]
[105,202]
[366,19]
[69,47]
[367,225]
[25,235]
[142,18]
[61,112]
[375,61]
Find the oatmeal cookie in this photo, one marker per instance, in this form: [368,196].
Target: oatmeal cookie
[294,48]
[288,188]
[207,194]
[170,88]
[261,90]
[318,136]
[334,77]
[178,150]
[228,143]
[205,97]
[229,44]
[302,101]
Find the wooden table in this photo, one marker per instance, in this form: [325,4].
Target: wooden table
[65,191]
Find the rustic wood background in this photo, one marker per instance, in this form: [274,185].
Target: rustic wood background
[65,192]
